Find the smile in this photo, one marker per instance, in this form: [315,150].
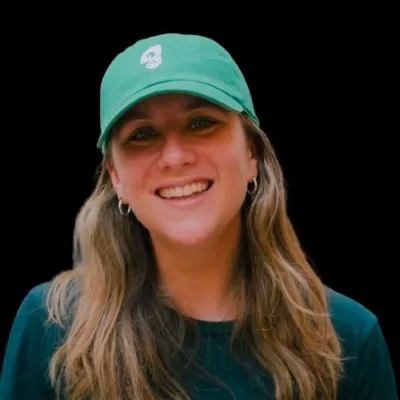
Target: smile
[185,190]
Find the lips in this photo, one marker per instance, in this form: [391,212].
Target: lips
[184,190]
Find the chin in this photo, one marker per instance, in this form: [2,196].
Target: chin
[186,233]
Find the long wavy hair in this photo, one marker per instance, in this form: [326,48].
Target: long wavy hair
[120,334]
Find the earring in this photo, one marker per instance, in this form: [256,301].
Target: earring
[252,191]
[121,210]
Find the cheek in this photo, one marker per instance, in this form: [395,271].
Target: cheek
[132,177]
[235,162]
[232,165]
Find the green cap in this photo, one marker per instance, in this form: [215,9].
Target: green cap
[171,63]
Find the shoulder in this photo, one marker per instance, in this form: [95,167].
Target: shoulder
[368,367]
[31,342]
[31,315]
[350,318]
[355,324]
[31,319]
[34,302]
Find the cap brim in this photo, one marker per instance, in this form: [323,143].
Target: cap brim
[194,88]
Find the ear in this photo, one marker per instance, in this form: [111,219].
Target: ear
[115,180]
[252,159]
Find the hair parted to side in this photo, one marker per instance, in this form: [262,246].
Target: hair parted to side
[120,338]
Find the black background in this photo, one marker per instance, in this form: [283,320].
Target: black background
[322,87]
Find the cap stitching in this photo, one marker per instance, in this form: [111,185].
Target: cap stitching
[165,81]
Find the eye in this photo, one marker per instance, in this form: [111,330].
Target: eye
[201,123]
[142,134]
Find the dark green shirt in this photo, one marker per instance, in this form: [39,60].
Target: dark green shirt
[369,372]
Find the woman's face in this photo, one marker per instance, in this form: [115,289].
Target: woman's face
[183,165]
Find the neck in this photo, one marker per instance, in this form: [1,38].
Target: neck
[199,280]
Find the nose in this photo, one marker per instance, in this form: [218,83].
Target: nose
[176,152]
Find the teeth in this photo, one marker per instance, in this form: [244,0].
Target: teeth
[186,190]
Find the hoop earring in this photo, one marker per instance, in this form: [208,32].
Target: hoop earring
[121,210]
[252,191]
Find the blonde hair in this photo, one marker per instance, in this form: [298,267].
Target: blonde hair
[119,334]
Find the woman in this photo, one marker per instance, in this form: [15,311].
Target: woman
[190,283]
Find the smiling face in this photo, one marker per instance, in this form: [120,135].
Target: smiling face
[183,165]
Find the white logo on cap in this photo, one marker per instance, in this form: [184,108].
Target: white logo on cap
[152,57]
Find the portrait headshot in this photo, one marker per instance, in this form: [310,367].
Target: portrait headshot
[190,278]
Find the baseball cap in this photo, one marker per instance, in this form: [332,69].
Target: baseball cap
[171,63]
